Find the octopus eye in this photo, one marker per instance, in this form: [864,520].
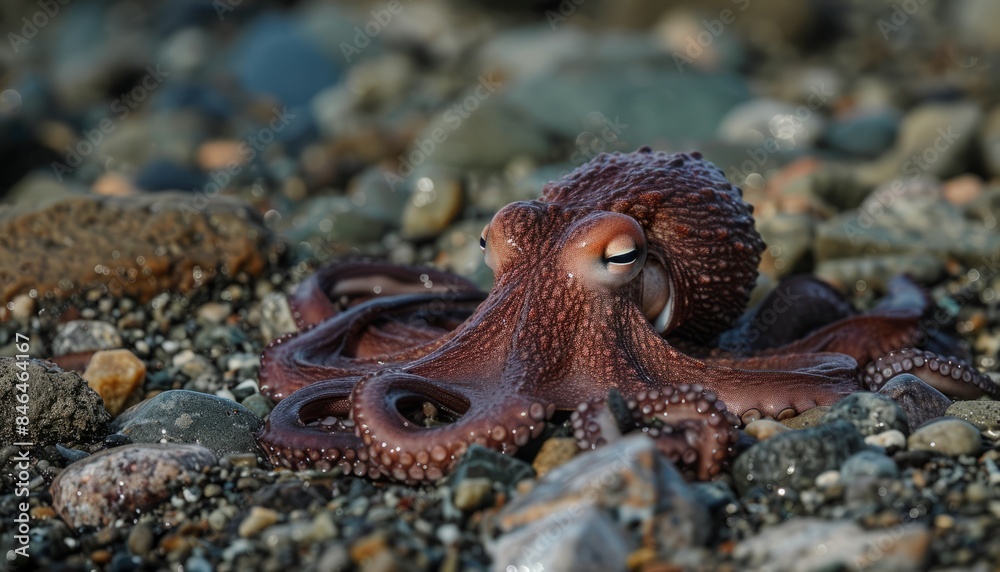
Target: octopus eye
[482,238]
[623,258]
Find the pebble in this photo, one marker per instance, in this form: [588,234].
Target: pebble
[920,401]
[868,464]
[84,336]
[436,198]
[140,540]
[482,462]
[213,312]
[122,482]
[258,404]
[891,440]
[808,418]
[182,416]
[22,307]
[554,452]
[763,429]
[115,375]
[795,458]
[275,317]
[985,415]
[62,408]
[258,519]
[473,493]
[948,436]
[870,413]
[808,543]
[761,120]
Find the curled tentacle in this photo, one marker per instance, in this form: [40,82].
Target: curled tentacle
[949,375]
[690,425]
[336,348]
[336,287]
[409,451]
[312,430]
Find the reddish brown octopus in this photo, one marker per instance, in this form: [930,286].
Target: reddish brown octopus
[617,282]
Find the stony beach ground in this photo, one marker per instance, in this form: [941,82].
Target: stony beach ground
[170,171]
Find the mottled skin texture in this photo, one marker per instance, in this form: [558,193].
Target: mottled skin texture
[598,284]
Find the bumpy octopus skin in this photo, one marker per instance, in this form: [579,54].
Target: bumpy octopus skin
[598,286]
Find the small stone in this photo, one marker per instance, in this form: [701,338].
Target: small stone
[807,419]
[182,416]
[276,317]
[870,413]
[763,429]
[868,464]
[368,547]
[795,458]
[985,415]
[22,307]
[213,312]
[482,462]
[891,440]
[115,375]
[140,540]
[963,190]
[258,404]
[258,519]
[948,436]
[553,453]
[828,479]
[920,401]
[473,493]
[449,534]
[122,482]
[977,493]
[436,199]
[220,155]
[84,336]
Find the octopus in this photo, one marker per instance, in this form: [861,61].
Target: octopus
[618,304]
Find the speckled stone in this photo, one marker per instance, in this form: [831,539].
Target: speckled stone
[947,436]
[985,415]
[870,413]
[62,408]
[181,416]
[795,458]
[122,482]
[80,336]
[554,452]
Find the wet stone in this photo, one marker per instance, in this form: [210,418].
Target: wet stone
[795,458]
[115,375]
[947,436]
[181,416]
[868,464]
[870,413]
[122,482]
[920,401]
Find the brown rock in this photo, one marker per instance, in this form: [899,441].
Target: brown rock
[114,375]
[809,418]
[137,245]
[121,482]
[762,429]
[554,453]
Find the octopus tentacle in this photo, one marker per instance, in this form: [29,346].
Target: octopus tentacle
[330,349]
[412,453]
[333,288]
[691,426]
[949,375]
[310,431]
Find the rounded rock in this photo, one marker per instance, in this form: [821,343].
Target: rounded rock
[870,413]
[947,436]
